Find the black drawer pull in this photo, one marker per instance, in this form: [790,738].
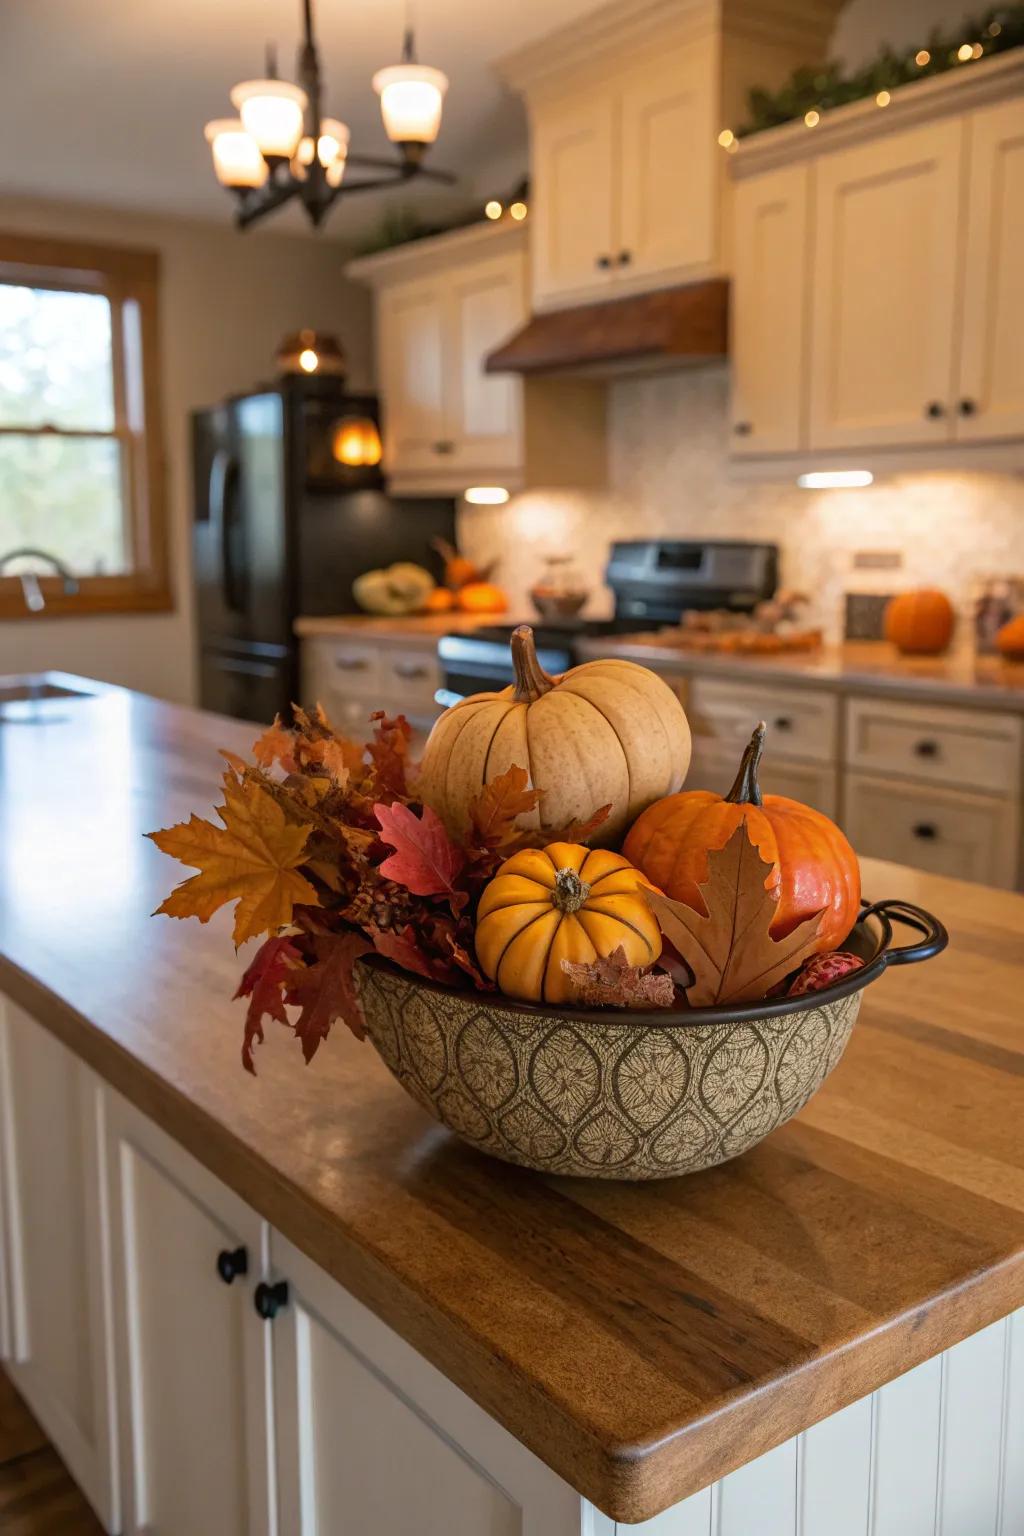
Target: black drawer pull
[603,262]
[410,670]
[783,723]
[269,1299]
[926,748]
[934,409]
[350,663]
[625,257]
[232,1262]
[968,407]
[927,831]
[743,428]
[443,445]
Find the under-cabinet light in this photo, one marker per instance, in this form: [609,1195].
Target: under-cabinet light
[834,479]
[486,495]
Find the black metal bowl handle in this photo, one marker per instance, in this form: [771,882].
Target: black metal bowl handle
[934,937]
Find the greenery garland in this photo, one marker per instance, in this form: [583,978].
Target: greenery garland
[820,89]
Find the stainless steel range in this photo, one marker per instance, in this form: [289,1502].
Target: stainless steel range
[654,583]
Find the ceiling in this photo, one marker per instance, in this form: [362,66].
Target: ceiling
[104,101]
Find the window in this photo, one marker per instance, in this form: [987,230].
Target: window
[81,462]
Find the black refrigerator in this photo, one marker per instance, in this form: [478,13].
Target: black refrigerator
[282,529]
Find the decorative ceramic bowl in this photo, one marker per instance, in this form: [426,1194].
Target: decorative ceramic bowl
[612,1094]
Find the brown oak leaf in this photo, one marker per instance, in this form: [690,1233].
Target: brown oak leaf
[252,860]
[494,812]
[730,953]
[580,831]
[611,982]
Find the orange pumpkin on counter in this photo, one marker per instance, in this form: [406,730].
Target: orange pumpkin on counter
[814,869]
[562,902]
[920,623]
[1010,639]
[608,732]
[481,597]
[439,601]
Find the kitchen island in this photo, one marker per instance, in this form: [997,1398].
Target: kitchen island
[461,1346]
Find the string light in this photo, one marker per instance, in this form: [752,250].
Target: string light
[977,50]
[922,58]
[965,52]
[493,209]
[518,211]
[812,118]
[726,138]
[883,99]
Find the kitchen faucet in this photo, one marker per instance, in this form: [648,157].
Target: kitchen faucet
[35,602]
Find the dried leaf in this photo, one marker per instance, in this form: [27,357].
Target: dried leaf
[276,745]
[425,861]
[253,859]
[237,764]
[389,756]
[403,948]
[263,984]
[611,982]
[730,953]
[494,812]
[464,960]
[325,991]
[823,971]
[580,831]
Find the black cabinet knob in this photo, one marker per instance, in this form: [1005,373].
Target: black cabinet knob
[269,1299]
[934,409]
[783,723]
[743,428]
[926,748]
[443,446]
[625,257]
[603,262]
[232,1262]
[926,831]
[967,407]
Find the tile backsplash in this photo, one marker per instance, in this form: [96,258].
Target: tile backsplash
[669,478]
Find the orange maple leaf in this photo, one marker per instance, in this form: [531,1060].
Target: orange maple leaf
[253,859]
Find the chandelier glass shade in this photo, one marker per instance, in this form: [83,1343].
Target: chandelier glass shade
[280,147]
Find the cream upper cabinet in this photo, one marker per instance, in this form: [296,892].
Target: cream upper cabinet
[486,301]
[412,340]
[617,204]
[573,196]
[990,403]
[885,288]
[769,311]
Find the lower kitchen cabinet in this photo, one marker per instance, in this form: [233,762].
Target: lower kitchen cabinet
[56,1339]
[193,1357]
[943,831]
[812,783]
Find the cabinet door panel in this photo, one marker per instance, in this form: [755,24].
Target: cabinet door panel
[572,218]
[411,366]
[971,837]
[769,312]
[885,280]
[486,303]
[59,1348]
[193,1357]
[992,366]
[811,783]
[666,202]
[373,1439]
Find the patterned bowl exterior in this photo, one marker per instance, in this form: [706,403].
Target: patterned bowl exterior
[615,1100]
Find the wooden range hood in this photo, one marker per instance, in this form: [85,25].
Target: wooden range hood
[669,328]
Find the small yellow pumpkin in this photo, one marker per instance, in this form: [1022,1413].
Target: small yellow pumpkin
[562,902]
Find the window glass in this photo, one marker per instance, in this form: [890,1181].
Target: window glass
[56,366]
[64,495]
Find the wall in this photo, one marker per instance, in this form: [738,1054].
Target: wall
[668,466]
[226,301]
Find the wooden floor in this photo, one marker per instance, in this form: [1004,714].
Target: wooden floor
[37,1497]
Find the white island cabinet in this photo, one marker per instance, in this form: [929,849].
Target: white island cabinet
[252,1394]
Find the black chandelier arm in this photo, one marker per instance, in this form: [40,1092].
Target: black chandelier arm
[403,170]
[256,202]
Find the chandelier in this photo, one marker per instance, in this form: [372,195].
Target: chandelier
[280,146]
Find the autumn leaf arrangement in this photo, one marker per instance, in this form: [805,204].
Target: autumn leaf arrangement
[329,856]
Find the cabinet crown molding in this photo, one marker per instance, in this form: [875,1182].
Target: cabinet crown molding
[975,85]
[434,253]
[600,41]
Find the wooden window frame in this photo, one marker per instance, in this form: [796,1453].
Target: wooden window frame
[129,279]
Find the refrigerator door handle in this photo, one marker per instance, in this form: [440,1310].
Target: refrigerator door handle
[223,488]
[246,668]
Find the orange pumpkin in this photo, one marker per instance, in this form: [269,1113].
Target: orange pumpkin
[562,902]
[814,869]
[920,623]
[439,601]
[481,597]
[1010,639]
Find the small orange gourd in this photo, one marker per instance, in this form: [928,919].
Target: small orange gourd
[562,902]
[920,623]
[814,869]
[1010,639]
[481,597]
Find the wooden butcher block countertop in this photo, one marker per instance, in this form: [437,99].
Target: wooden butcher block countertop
[643,1340]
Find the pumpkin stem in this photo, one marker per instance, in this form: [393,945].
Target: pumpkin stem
[570,891]
[746,790]
[531,679]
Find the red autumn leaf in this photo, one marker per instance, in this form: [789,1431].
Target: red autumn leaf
[263,984]
[402,947]
[494,812]
[425,860]
[389,755]
[464,960]
[325,991]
